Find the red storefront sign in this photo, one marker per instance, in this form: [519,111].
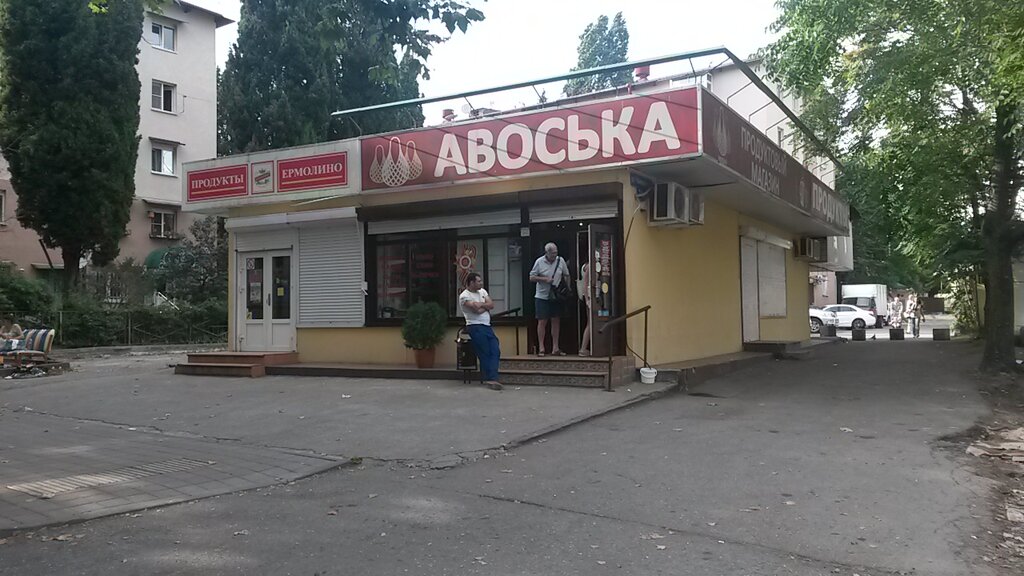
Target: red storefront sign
[734,142]
[312,172]
[644,127]
[217,183]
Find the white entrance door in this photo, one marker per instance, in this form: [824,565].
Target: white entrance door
[266,301]
[751,311]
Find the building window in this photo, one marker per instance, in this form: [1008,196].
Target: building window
[162,36]
[164,96]
[432,267]
[3,208]
[164,156]
[162,225]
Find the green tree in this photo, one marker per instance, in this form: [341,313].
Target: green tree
[69,118]
[933,88]
[601,45]
[297,61]
[20,294]
[197,269]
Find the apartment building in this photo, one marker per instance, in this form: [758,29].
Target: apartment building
[178,123]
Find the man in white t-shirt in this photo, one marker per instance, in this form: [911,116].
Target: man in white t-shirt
[476,305]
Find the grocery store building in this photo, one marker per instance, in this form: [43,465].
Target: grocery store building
[676,199]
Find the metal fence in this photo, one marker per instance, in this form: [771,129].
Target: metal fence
[77,329]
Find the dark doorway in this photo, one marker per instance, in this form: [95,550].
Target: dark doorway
[572,240]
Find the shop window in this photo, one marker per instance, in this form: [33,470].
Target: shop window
[162,225]
[426,268]
[498,260]
[162,36]
[164,96]
[407,273]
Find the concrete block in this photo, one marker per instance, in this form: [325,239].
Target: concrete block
[940,333]
[895,333]
[859,335]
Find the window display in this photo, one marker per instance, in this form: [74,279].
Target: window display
[413,268]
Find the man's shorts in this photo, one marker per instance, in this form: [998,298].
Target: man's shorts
[546,309]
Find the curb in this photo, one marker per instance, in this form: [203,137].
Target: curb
[665,390]
[10,532]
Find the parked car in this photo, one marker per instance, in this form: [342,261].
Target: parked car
[852,316]
[821,317]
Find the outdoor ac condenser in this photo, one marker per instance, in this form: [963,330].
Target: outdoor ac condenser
[674,205]
[810,249]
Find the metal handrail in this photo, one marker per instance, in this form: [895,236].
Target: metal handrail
[621,320]
[512,312]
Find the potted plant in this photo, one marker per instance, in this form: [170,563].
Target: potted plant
[423,329]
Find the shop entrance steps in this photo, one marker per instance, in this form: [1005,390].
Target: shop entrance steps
[238,364]
[583,372]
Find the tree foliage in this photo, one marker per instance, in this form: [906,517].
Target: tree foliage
[924,101]
[69,117]
[601,45]
[297,61]
[20,294]
[196,270]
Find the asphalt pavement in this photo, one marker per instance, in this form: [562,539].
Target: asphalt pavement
[827,465]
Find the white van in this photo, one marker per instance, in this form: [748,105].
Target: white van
[873,297]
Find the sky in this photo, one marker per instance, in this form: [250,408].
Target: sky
[527,39]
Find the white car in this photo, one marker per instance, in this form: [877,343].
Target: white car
[852,317]
[821,317]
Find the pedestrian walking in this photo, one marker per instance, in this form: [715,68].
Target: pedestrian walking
[897,312]
[915,315]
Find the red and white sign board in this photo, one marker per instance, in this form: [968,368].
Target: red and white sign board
[218,183]
[312,172]
[306,172]
[625,130]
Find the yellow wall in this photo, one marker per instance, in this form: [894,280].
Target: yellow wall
[691,278]
[384,345]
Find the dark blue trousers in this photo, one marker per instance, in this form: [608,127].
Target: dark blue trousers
[487,349]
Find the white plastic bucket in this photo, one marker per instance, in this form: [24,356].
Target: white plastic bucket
[647,375]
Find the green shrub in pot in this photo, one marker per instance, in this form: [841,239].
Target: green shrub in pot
[424,326]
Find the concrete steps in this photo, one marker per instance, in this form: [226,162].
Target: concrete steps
[264,358]
[237,364]
[221,369]
[582,372]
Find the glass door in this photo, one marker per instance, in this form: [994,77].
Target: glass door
[603,288]
[266,302]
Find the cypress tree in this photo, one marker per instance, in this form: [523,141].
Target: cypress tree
[69,118]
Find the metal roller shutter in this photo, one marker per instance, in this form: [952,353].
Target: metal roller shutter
[331,274]
[588,211]
[276,239]
[448,222]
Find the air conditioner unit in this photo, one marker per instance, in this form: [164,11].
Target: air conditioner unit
[810,249]
[675,205]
